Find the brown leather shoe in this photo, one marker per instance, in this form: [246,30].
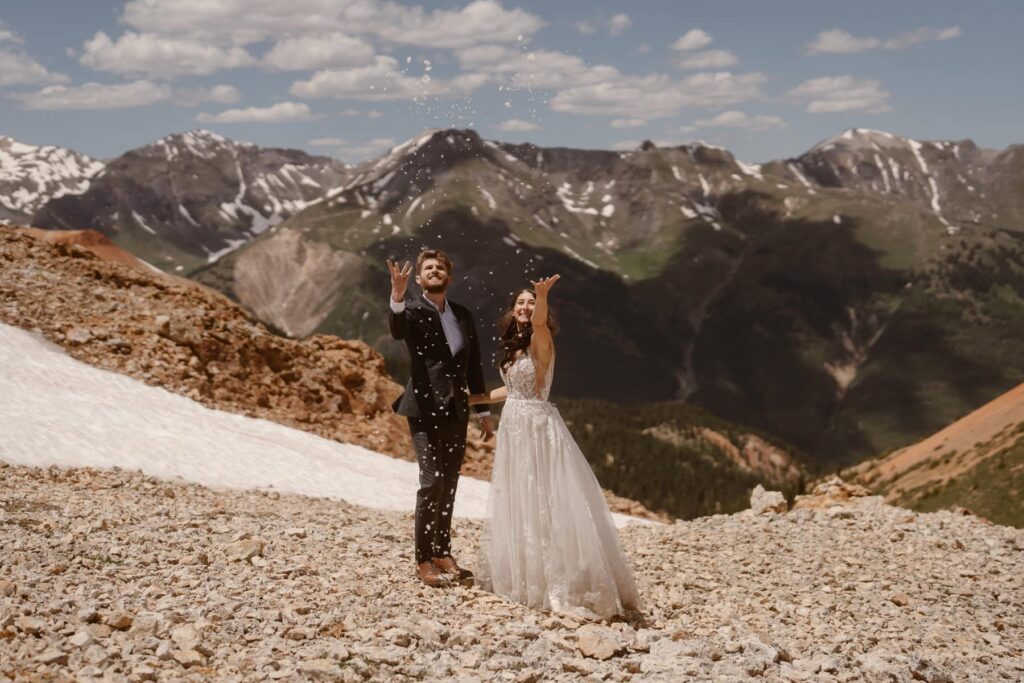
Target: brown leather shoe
[431,575]
[450,567]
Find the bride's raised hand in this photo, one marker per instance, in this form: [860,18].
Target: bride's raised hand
[543,285]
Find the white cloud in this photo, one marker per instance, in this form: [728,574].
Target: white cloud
[517,125]
[18,68]
[250,21]
[381,81]
[839,41]
[7,35]
[225,94]
[618,24]
[708,59]
[541,69]
[146,53]
[658,96]
[482,21]
[694,39]
[628,123]
[464,83]
[317,51]
[221,94]
[95,96]
[586,28]
[948,33]
[277,113]
[738,119]
[841,93]
[358,113]
[921,35]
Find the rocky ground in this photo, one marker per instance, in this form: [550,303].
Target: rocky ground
[120,576]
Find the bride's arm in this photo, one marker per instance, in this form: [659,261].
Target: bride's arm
[541,343]
[496,396]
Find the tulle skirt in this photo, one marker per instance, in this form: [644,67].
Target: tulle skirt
[549,541]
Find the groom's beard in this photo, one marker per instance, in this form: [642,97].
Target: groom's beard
[436,289]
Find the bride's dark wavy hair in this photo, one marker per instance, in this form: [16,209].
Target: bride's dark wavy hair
[513,338]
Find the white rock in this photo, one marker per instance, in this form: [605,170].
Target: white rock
[767,502]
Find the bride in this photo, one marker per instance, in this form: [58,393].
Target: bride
[549,541]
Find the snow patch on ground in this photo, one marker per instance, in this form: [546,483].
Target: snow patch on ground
[59,411]
[490,199]
[800,176]
[564,193]
[142,223]
[885,175]
[753,170]
[188,217]
[214,256]
[576,256]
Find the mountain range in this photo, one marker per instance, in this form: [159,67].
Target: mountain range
[851,300]
[187,199]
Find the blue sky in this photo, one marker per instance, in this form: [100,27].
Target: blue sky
[349,78]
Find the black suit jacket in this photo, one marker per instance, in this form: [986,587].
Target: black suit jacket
[436,377]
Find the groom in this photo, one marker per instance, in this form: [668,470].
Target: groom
[445,367]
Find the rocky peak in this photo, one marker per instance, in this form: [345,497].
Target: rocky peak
[31,175]
[413,167]
[195,143]
[861,138]
[189,198]
[935,173]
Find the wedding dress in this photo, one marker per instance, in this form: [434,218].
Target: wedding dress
[549,541]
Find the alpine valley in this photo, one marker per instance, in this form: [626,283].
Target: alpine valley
[850,300]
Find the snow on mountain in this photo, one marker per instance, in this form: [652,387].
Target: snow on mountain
[30,176]
[942,175]
[188,199]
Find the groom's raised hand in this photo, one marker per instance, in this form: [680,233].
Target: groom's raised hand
[399,279]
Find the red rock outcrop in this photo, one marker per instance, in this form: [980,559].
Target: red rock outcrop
[187,339]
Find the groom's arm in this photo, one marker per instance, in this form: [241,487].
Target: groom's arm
[397,323]
[475,371]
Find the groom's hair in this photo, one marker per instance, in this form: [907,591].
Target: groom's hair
[434,254]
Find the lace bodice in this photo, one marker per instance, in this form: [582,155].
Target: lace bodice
[521,379]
